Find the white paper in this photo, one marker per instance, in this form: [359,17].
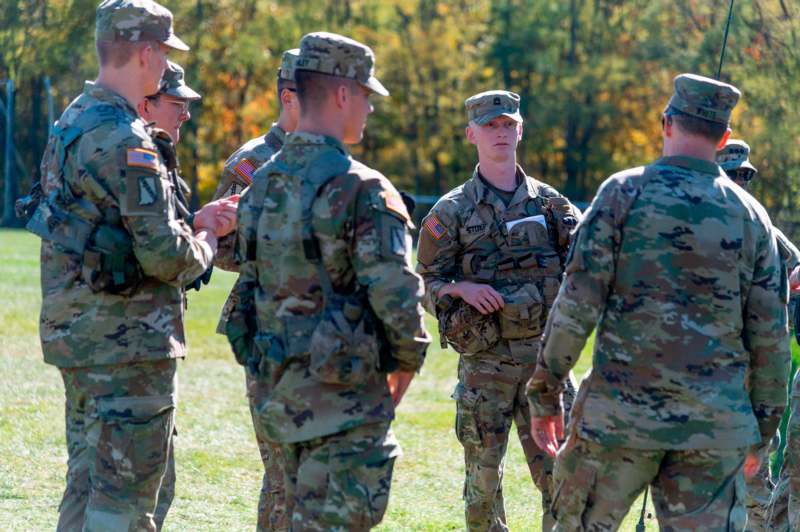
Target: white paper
[539,218]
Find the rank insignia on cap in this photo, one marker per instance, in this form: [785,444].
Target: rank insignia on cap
[394,203]
[435,227]
[142,158]
[245,169]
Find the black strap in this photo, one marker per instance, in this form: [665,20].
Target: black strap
[640,525]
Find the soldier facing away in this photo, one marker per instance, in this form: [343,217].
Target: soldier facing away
[114,261]
[166,111]
[491,253]
[237,176]
[329,309]
[691,354]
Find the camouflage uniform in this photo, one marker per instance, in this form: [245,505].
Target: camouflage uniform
[326,250]
[114,329]
[734,159]
[517,247]
[236,177]
[680,266]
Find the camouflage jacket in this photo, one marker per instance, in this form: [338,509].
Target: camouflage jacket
[237,175]
[789,252]
[691,349]
[470,234]
[362,228]
[117,168]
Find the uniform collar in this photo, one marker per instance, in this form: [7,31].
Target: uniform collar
[299,138]
[277,132]
[104,94]
[690,163]
[477,190]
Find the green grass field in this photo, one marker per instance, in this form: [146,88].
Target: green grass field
[217,460]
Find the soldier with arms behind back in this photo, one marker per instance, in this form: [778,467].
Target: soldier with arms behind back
[329,309]
[691,354]
[114,260]
[491,253]
[237,176]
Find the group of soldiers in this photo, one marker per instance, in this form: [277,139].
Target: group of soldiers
[677,268]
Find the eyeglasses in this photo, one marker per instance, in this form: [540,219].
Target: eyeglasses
[183,104]
[742,174]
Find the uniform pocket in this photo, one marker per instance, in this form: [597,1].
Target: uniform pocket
[467,427]
[522,316]
[467,330]
[344,351]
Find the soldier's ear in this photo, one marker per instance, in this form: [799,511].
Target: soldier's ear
[519,131]
[143,108]
[470,134]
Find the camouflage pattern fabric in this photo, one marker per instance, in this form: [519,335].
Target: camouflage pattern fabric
[484,107]
[166,493]
[135,21]
[784,511]
[470,234]
[118,168]
[341,482]
[699,489]
[703,98]
[174,84]
[362,229]
[119,421]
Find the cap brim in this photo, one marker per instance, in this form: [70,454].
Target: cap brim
[184,93]
[376,86]
[488,117]
[174,42]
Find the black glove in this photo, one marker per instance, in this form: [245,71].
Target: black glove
[200,281]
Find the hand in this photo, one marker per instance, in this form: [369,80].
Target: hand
[546,431]
[398,382]
[481,296]
[218,217]
[751,464]
[794,281]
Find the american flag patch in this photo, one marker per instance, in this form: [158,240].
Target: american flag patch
[245,169]
[143,158]
[434,227]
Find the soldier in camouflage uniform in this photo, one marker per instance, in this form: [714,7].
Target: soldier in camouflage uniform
[328,303]
[167,110]
[691,354]
[114,261]
[491,253]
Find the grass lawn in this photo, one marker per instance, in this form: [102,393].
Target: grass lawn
[217,461]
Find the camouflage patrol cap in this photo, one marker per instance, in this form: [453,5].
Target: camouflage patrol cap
[288,62]
[173,84]
[735,155]
[486,106]
[337,55]
[136,21]
[704,98]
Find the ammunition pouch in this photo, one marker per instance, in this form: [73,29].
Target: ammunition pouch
[345,346]
[25,207]
[523,314]
[109,264]
[465,328]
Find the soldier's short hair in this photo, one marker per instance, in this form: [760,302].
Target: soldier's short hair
[313,88]
[117,53]
[692,125]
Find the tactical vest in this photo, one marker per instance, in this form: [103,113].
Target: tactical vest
[345,342]
[77,225]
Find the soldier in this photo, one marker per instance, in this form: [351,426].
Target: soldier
[328,302]
[491,253]
[691,354]
[237,176]
[167,110]
[114,261]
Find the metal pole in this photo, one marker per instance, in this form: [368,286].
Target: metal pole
[10,184]
[725,40]
[50,111]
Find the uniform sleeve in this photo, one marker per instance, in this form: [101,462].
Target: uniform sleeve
[242,294]
[230,183]
[382,263]
[766,335]
[581,298]
[165,247]
[438,251]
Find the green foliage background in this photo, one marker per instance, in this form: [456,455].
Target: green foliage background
[593,74]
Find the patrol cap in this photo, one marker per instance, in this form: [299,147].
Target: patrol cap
[704,98]
[136,21]
[288,62]
[173,84]
[337,55]
[486,106]
[735,155]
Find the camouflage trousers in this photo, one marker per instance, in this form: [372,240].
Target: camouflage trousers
[166,494]
[340,482]
[490,395]
[784,513]
[119,425]
[691,490]
[272,499]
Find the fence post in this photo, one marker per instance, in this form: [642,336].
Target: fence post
[50,111]
[10,188]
